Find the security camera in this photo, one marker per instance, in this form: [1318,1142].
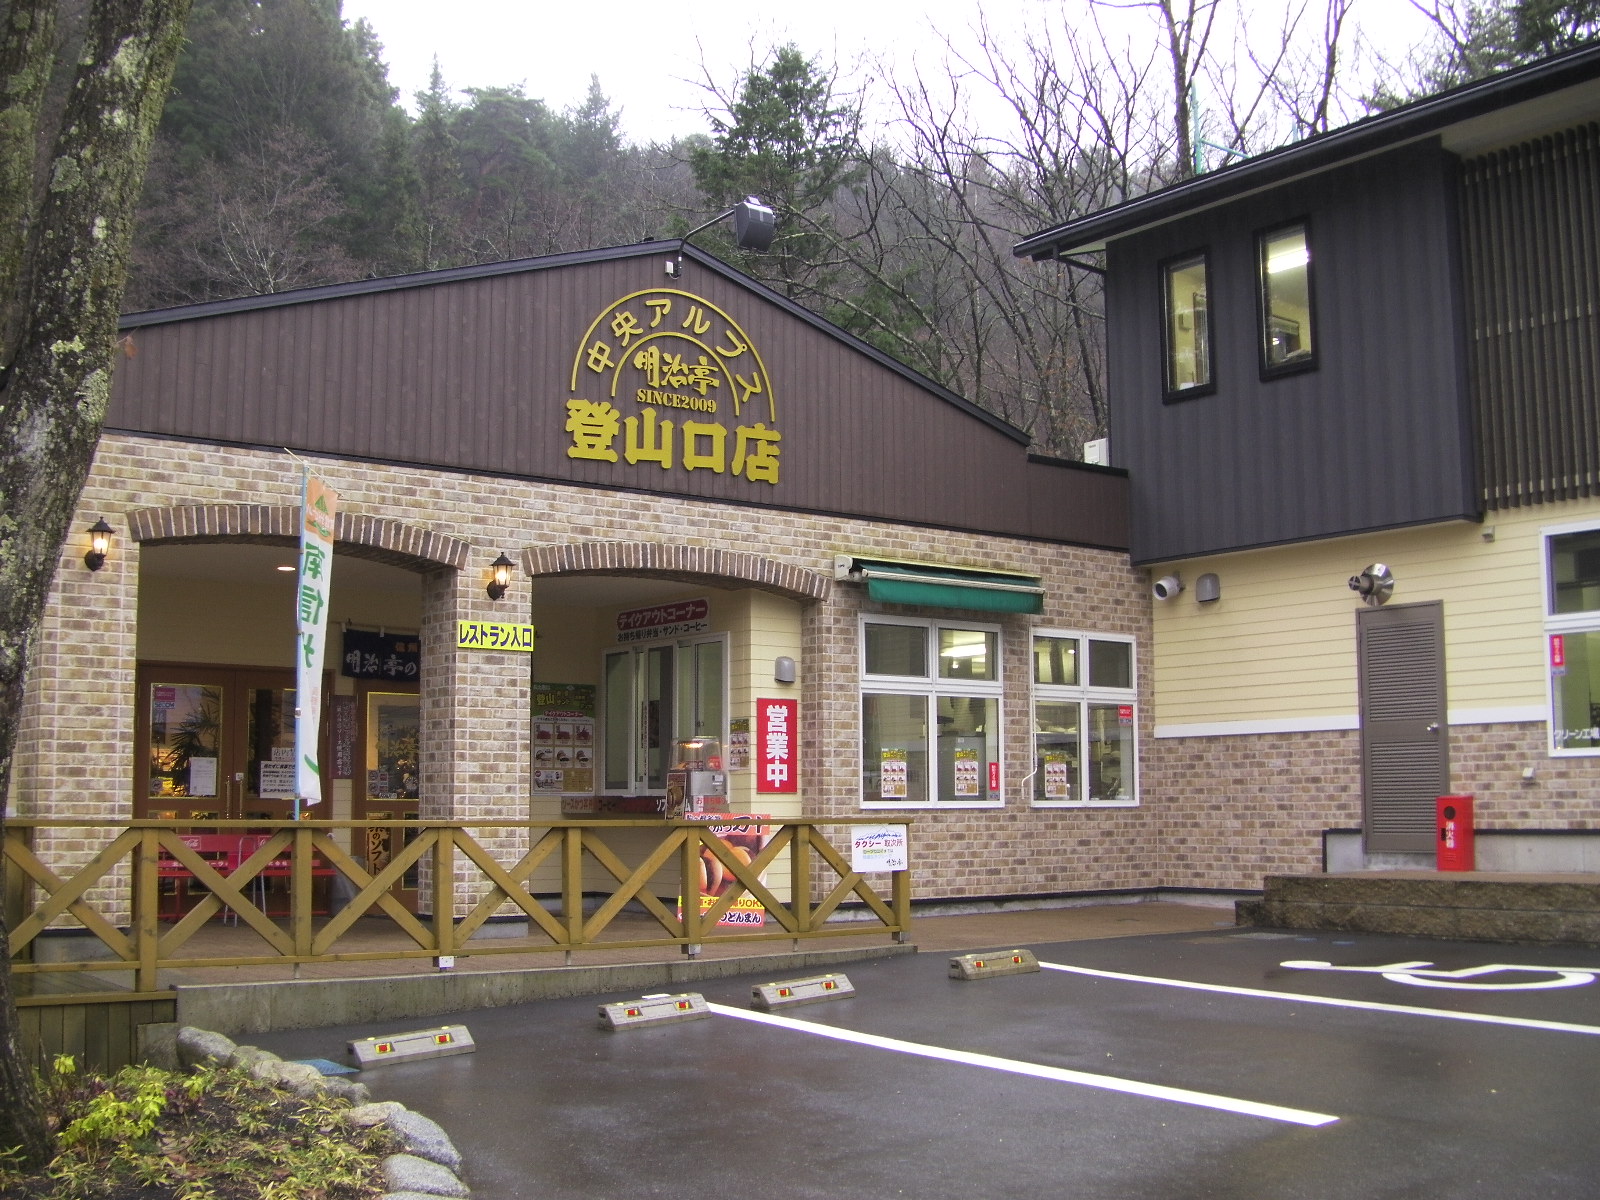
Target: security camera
[1167,587]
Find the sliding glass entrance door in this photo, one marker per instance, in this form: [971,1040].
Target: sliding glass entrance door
[653,696]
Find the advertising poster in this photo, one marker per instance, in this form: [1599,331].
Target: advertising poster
[894,775]
[739,744]
[1057,777]
[744,841]
[563,738]
[967,773]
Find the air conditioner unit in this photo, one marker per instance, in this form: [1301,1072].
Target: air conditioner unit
[1098,452]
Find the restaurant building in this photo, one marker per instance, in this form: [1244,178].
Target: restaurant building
[723,518]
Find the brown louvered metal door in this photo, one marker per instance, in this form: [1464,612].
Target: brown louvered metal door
[1405,741]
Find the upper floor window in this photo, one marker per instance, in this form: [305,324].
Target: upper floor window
[1186,328]
[1572,631]
[1283,262]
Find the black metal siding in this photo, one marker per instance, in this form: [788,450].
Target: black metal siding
[1377,436]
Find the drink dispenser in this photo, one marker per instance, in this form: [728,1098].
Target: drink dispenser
[697,782]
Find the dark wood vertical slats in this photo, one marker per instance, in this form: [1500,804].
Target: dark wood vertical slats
[1531,234]
[471,373]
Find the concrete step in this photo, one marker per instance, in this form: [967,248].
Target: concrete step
[1470,905]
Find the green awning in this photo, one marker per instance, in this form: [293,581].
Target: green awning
[936,586]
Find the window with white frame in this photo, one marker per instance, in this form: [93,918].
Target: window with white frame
[1572,635]
[930,713]
[1084,720]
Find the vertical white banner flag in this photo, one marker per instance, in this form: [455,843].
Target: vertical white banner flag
[318,502]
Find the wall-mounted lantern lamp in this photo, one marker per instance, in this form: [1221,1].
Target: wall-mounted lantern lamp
[753,228]
[502,577]
[99,543]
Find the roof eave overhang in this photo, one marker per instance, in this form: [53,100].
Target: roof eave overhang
[1413,122]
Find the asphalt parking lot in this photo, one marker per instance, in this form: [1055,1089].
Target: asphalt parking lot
[1234,1063]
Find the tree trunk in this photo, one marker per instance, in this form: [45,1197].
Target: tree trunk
[70,183]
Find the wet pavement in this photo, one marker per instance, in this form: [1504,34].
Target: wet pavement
[1209,1062]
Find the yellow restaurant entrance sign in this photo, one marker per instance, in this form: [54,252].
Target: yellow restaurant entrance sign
[494,635]
[667,378]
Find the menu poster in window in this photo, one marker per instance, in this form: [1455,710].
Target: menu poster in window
[1057,777]
[966,772]
[739,744]
[563,738]
[894,775]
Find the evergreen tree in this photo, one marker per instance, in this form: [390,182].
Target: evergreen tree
[506,142]
[784,136]
[436,159]
[1545,27]
[259,77]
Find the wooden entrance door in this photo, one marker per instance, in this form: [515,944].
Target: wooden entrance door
[214,742]
[1405,742]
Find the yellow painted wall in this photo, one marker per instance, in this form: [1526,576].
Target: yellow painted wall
[1279,647]
[571,644]
[770,628]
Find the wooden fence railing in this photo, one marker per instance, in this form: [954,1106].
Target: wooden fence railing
[592,872]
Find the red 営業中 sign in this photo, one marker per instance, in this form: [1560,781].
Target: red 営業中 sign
[777,736]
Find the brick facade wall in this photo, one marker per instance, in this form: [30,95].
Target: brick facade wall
[1214,813]
[1228,810]
[475,713]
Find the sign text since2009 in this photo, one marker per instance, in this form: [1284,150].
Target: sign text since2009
[672,350]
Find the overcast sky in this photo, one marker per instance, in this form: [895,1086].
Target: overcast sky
[648,54]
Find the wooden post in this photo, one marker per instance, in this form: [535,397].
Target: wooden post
[147,909]
[901,884]
[689,889]
[300,879]
[444,891]
[572,883]
[800,877]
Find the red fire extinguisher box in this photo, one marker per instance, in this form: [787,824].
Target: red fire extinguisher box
[1454,823]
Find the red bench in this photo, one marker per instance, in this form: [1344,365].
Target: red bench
[225,853]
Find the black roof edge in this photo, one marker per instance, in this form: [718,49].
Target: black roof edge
[1419,119]
[1050,460]
[667,247]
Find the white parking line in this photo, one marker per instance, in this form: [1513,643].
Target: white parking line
[1302,998]
[1154,1091]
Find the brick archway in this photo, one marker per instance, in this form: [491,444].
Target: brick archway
[375,538]
[688,564]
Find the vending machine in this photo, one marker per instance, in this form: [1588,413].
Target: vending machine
[697,782]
